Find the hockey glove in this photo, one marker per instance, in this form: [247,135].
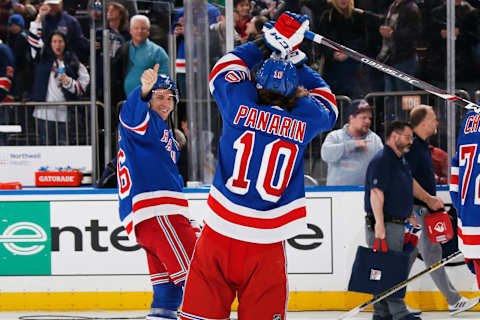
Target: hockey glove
[297,58]
[410,240]
[287,33]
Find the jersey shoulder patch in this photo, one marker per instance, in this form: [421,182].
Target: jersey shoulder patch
[235,76]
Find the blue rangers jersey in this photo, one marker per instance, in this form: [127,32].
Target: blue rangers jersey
[148,178]
[465,185]
[258,192]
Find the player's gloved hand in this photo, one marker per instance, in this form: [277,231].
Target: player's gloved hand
[287,33]
[196,226]
[297,57]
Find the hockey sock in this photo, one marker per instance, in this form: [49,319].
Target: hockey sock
[167,296]
[476,264]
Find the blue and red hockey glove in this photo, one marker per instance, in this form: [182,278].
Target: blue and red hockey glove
[410,241]
[287,33]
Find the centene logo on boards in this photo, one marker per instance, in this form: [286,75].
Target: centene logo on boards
[10,236]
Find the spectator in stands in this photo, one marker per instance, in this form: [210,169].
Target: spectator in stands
[129,5]
[254,27]
[7,70]
[241,16]
[348,151]
[263,8]
[200,8]
[346,24]
[59,76]
[17,41]
[117,21]
[135,56]
[51,18]
[178,31]
[6,7]
[218,39]
[400,32]
[374,41]
[466,38]
[159,13]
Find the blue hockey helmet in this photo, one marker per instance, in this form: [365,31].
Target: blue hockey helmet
[165,82]
[277,75]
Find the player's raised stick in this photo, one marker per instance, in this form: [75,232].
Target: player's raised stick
[391,71]
[399,286]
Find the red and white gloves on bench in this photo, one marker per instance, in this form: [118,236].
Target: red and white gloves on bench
[286,35]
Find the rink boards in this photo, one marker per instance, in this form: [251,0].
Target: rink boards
[65,249]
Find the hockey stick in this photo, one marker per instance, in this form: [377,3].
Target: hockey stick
[391,71]
[399,286]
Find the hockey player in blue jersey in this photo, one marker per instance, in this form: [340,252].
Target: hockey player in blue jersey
[465,190]
[152,205]
[257,199]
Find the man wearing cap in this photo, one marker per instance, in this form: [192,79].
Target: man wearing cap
[349,150]
[17,41]
[50,18]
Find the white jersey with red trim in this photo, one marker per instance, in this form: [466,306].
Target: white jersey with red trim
[147,173]
[258,192]
[465,185]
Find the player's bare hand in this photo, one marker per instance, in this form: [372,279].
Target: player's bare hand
[43,11]
[66,80]
[340,56]
[148,79]
[385,31]
[413,221]
[380,230]
[435,203]
[179,30]
[443,33]
[362,143]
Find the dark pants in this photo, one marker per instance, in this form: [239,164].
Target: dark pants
[51,133]
[394,235]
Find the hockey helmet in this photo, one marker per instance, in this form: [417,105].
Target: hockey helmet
[165,82]
[277,75]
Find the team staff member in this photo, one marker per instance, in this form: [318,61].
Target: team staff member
[257,198]
[152,205]
[424,122]
[388,204]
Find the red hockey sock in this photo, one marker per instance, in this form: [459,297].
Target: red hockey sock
[476,264]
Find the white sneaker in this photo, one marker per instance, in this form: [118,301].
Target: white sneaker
[463,305]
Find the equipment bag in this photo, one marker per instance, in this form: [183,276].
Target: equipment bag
[439,227]
[375,271]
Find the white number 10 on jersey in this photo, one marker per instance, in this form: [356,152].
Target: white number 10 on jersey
[269,169]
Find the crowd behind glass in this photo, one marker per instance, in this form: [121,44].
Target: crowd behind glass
[415,43]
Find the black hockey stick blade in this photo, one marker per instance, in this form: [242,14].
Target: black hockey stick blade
[392,290]
[391,71]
